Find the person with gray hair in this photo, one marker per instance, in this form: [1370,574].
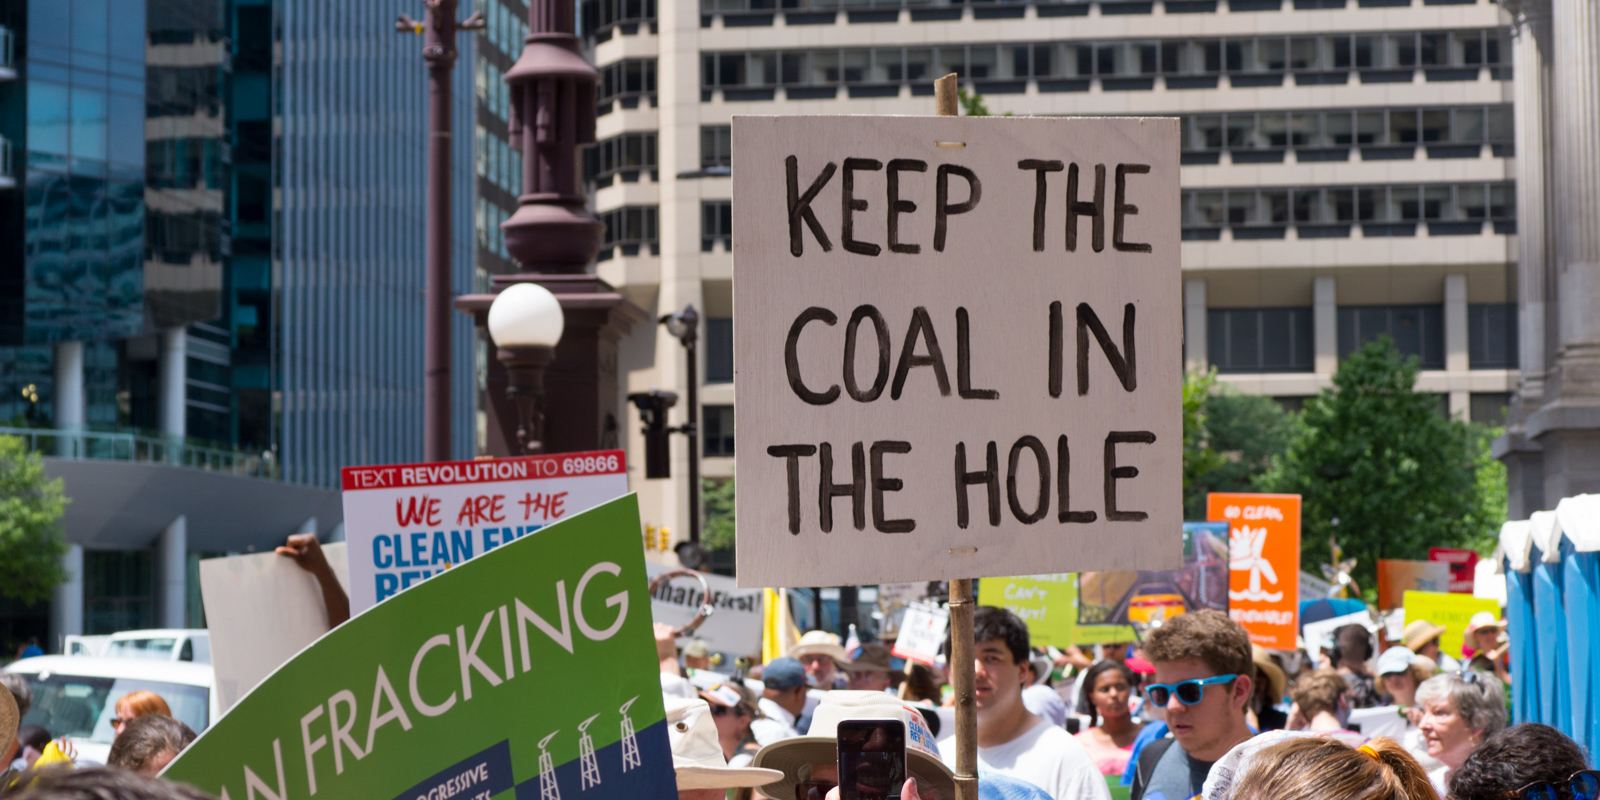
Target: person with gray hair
[1458,713]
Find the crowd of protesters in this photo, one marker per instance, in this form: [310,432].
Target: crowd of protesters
[1192,711]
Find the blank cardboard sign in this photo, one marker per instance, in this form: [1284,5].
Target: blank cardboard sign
[958,344]
[261,609]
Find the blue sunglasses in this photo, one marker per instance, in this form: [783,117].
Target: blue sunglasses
[1188,692]
[1584,785]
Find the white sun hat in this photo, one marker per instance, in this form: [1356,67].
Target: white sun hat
[697,755]
[819,745]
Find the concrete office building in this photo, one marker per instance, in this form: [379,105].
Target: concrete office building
[211,235]
[1348,166]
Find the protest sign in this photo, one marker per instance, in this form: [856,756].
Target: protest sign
[922,632]
[1396,577]
[1264,562]
[1150,596]
[261,609]
[1463,566]
[429,694]
[734,628]
[407,522]
[957,341]
[1319,635]
[1049,604]
[1453,611]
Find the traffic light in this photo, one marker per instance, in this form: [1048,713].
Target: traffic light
[653,407]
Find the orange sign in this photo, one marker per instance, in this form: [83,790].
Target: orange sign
[1263,563]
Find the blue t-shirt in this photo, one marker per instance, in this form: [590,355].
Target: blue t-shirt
[31,650]
[997,786]
[1151,732]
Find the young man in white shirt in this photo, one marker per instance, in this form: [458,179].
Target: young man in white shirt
[1012,741]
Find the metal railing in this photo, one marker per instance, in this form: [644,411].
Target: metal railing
[124,446]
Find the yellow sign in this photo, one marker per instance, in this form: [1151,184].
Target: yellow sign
[1049,604]
[1453,611]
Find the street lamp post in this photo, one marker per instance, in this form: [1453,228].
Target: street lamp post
[526,322]
[438,28]
[685,327]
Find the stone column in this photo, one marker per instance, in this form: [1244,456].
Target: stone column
[1568,425]
[1532,59]
[172,382]
[66,601]
[172,570]
[1196,342]
[1325,325]
[1456,357]
[67,399]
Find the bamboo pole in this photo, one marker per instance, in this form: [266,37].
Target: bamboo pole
[944,95]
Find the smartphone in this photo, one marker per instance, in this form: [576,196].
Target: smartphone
[872,759]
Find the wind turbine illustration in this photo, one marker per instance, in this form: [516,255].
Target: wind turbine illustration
[548,790]
[1244,552]
[630,743]
[589,767]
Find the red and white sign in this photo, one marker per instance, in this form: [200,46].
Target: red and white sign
[1463,567]
[404,522]
[922,633]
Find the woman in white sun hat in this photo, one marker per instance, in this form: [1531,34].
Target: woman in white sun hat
[703,773]
[813,758]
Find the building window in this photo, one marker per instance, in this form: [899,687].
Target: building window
[624,156]
[716,225]
[625,82]
[1449,209]
[1252,137]
[716,148]
[1244,340]
[718,422]
[719,350]
[1489,408]
[1492,335]
[1416,330]
[629,228]
[1124,65]
[118,591]
[604,18]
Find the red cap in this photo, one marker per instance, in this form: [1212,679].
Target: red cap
[1141,666]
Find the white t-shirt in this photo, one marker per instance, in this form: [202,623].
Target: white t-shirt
[1045,756]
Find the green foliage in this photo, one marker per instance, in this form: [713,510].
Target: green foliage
[1229,439]
[716,497]
[972,104]
[31,542]
[1377,465]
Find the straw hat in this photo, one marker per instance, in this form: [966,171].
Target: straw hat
[9,719]
[821,643]
[1484,620]
[1277,682]
[1419,632]
[872,657]
[818,745]
[697,755]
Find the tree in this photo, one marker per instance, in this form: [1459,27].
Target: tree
[1229,439]
[31,542]
[1378,465]
[716,496]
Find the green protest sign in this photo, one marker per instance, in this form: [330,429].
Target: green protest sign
[531,669]
[1049,604]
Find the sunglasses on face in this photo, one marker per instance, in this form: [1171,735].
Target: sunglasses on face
[723,711]
[1189,692]
[813,790]
[1584,785]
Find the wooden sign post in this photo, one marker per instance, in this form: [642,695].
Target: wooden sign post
[958,351]
[961,669]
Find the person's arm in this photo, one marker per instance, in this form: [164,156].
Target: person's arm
[667,648]
[307,553]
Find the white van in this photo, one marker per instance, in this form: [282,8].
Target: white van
[76,696]
[161,644]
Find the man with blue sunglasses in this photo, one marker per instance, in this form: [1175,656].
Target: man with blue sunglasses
[1204,674]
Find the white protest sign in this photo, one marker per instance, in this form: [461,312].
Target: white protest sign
[958,347]
[404,522]
[922,632]
[261,609]
[1318,636]
[734,628]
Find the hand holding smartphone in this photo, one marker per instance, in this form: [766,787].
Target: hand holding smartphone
[872,759]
